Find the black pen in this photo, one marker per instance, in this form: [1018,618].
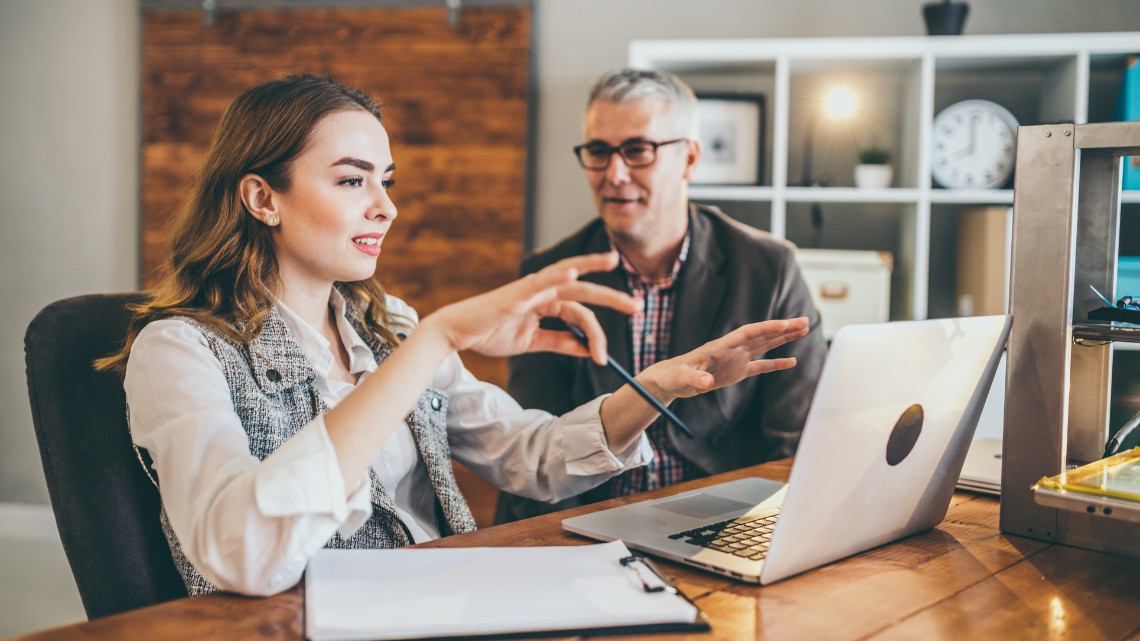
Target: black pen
[613,364]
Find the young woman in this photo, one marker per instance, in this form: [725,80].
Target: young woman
[285,400]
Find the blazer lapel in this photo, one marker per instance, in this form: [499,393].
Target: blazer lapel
[614,323]
[700,292]
[278,361]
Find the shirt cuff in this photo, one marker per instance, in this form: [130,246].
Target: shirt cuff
[587,450]
[359,508]
[303,477]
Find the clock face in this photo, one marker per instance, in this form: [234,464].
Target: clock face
[973,145]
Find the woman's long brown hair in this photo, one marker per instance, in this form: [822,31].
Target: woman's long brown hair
[221,269]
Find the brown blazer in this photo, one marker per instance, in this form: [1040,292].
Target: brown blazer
[734,274]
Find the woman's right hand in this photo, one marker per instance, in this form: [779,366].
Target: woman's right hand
[505,321]
[501,322]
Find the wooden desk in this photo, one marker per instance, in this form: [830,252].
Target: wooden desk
[961,580]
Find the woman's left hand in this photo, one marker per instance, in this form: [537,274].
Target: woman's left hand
[724,361]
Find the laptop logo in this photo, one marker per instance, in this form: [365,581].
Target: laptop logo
[905,434]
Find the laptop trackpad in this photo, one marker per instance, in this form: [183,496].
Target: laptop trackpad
[702,506]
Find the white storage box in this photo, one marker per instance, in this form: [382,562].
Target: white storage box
[848,286]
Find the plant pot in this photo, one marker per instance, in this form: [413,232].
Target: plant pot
[873,176]
[945,18]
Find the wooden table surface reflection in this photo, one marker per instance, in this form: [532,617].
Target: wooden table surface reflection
[961,580]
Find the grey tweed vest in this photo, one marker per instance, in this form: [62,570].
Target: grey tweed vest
[271,384]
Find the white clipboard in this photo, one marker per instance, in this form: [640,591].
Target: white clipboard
[415,593]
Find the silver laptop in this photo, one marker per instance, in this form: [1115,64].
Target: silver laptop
[882,448]
[982,470]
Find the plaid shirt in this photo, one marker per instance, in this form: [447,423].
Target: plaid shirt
[651,330]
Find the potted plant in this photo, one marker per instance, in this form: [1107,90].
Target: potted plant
[873,170]
[945,18]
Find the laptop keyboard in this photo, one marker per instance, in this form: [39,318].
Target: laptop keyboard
[745,536]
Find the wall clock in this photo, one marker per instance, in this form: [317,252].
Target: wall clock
[973,145]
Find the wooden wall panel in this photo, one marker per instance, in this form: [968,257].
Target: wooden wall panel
[455,105]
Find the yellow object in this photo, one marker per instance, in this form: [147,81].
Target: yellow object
[1117,476]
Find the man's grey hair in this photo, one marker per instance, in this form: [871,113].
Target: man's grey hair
[633,85]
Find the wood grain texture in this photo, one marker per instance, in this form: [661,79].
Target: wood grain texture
[1061,593]
[962,580]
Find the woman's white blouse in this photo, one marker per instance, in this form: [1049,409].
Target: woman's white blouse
[251,526]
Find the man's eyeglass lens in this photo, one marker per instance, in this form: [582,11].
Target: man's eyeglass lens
[639,153]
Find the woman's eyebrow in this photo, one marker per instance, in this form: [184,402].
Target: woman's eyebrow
[363,165]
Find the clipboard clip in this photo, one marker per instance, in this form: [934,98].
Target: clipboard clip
[651,578]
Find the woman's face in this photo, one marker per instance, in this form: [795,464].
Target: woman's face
[336,212]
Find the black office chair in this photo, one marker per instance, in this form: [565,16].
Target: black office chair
[106,508]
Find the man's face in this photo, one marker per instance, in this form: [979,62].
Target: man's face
[639,204]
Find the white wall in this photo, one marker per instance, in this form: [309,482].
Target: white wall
[69,87]
[69,133]
[578,40]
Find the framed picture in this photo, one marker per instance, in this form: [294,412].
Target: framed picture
[732,139]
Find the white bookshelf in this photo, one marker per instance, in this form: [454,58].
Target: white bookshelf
[902,84]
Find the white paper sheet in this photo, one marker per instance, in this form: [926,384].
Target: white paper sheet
[417,593]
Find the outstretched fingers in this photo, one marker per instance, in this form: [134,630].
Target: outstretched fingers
[760,338]
[765,365]
[599,296]
[556,292]
[546,289]
[568,270]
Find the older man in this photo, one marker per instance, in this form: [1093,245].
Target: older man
[700,275]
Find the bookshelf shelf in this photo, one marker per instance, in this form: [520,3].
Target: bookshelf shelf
[901,84]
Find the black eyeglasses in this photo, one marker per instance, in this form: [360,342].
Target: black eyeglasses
[635,153]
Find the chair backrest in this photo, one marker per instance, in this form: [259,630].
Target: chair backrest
[106,508]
